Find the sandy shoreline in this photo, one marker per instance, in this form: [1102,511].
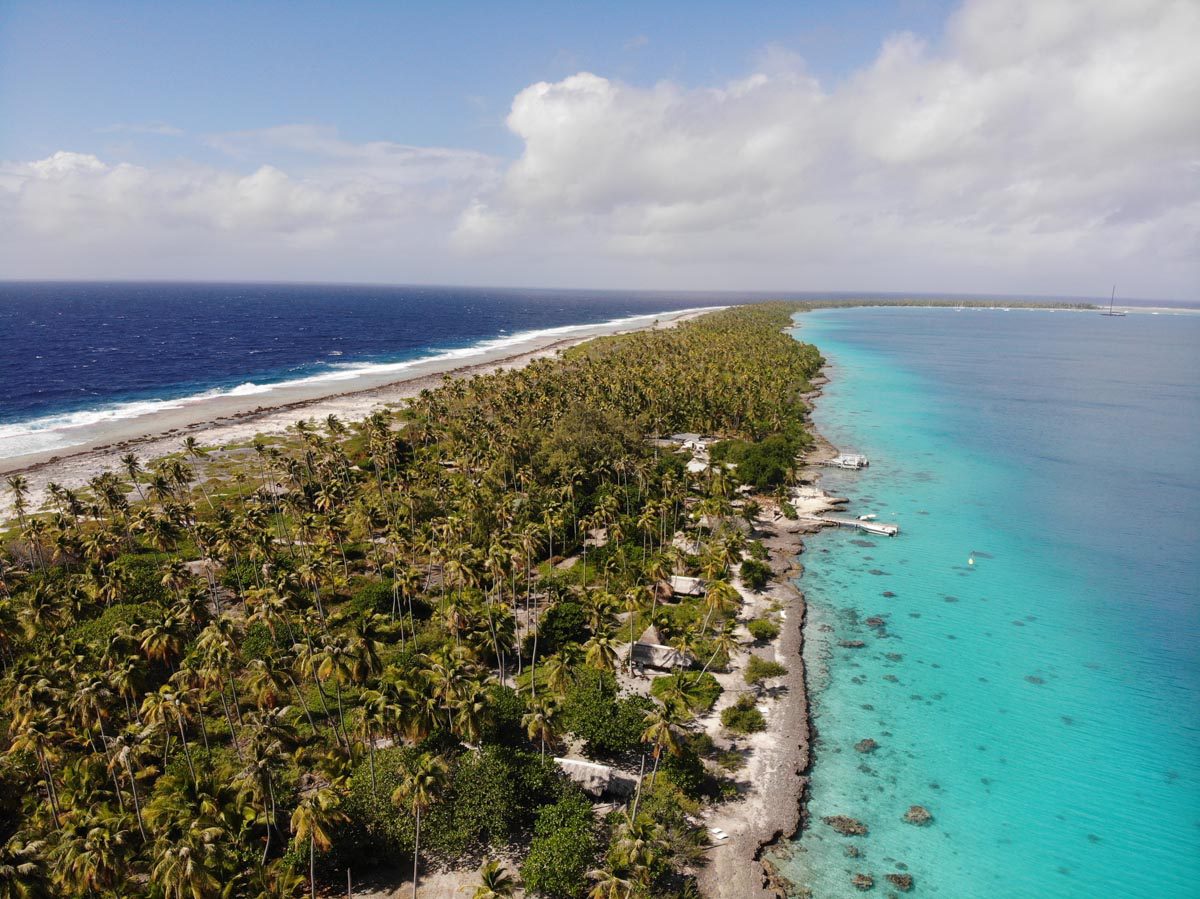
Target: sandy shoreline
[224,420]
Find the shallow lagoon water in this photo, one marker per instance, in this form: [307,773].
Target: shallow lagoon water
[1044,702]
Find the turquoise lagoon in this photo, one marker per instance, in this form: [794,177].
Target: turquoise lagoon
[1044,702]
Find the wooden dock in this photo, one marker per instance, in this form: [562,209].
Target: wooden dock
[878,528]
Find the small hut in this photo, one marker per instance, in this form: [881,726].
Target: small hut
[655,655]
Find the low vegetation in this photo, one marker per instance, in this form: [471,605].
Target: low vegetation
[762,629]
[743,717]
[759,669]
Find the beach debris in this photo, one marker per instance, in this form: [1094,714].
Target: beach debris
[863,882]
[718,834]
[902,882]
[846,826]
[867,745]
[918,815]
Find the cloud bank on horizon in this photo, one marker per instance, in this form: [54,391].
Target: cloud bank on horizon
[1043,146]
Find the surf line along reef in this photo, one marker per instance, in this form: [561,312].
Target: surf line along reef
[513,630]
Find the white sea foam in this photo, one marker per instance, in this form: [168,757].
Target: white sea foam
[61,431]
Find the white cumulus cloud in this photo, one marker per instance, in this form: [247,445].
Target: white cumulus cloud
[1043,146]
[1040,146]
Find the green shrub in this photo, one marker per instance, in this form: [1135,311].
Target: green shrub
[372,597]
[755,574]
[258,642]
[492,797]
[564,622]
[700,688]
[768,463]
[759,669]
[504,724]
[757,550]
[762,629]
[99,631]
[686,772]
[592,711]
[788,511]
[743,717]
[375,597]
[239,577]
[498,790]
[563,849]
[142,576]
[728,451]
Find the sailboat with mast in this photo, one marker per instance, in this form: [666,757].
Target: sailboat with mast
[1120,313]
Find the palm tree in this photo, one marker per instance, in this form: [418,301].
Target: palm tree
[183,866]
[458,506]
[638,847]
[724,640]
[90,856]
[124,749]
[376,715]
[424,779]
[660,730]
[494,881]
[315,816]
[541,720]
[22,875]
[335,662]
[601,652]
[611,882]
[559,671]
[37,732]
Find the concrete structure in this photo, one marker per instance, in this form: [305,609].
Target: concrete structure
[686,586]
[596,779]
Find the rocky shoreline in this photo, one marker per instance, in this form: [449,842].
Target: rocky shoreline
[775,809]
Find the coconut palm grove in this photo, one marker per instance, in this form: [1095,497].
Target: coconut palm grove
[266,670]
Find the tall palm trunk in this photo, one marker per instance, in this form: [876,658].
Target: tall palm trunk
[416,852]
[137,804]
[187,754]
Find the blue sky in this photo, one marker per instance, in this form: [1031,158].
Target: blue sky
[992,146]
[418,73]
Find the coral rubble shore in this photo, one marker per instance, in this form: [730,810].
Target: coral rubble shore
[771,809]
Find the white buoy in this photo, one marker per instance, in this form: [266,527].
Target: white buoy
[971,561]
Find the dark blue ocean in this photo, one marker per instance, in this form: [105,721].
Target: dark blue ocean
[73,346]
[1035,681]
[78,356]
[73,350]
